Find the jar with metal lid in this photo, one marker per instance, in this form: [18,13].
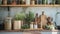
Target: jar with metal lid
[8,24]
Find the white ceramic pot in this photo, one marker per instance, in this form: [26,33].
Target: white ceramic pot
[35,26]
[31,26]
[17,25]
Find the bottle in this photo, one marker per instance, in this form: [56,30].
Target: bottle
[9,2]
[20,2]
[36,18]
[23,1]
[0,2]
[5,2]
[17,2]
[14,2]
[33,2]
[36,21]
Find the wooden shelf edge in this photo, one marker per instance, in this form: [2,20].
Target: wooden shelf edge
[30,5]
[29,30]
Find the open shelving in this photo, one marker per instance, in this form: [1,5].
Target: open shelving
[30,5]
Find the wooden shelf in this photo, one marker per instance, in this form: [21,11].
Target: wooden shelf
[30,5]
[30,30]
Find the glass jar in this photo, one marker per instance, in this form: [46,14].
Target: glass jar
[23,1]
[0,2]
[48,1]
[57,1]
[27,2]
[13,2]
[9,2]
[33,2]
[8,24]
[17,2]
[5,2]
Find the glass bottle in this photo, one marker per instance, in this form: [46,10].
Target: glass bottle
[23,1]
[5,2]
[36,17]
[9,2]
[20,2]
[33,2]
[0,2]
[14,2]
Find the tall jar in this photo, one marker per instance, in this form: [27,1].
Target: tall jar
[5,2]
[33,2]
[9,2]
[8,24]
[0,2]
[27,2]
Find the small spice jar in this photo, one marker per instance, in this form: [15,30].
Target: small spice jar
[5,2]
[33,2]
[14,2]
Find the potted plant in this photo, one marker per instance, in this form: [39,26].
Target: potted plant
[29,18]
[18,20]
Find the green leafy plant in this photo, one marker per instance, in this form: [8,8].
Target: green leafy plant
[29,17]
[20,16]
[25,26]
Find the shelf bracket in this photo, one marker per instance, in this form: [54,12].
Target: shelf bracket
[8,11]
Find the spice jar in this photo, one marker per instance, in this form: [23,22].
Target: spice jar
[14,2]
[5,2]
[9,2]
[33,2]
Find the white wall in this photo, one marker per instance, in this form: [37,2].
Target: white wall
[49,11]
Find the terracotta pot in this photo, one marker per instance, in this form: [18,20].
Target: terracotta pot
[17,24]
